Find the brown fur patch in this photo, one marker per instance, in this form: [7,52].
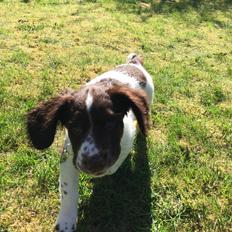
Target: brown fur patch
[125,98]
[42,121]
[69,109]
[110,104]
[133,72]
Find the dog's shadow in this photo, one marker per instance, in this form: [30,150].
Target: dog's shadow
[121,202]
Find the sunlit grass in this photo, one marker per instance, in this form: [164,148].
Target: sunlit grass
[180,180]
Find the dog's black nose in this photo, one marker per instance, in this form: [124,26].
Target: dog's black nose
[94,162]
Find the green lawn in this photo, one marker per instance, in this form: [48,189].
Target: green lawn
[180,179]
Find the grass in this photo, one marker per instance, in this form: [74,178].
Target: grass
[180,178]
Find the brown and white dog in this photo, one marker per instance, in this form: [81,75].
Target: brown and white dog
[100,122]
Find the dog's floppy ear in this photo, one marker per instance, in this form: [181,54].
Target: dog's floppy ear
[125,98]
[42,120]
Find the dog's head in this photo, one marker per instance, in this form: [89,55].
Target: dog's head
[93,117]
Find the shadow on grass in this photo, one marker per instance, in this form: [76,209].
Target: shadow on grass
[121,202]
[146,8]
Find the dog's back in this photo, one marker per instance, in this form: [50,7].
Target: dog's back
[132,74]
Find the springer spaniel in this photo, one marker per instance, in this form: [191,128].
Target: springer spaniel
[100,120]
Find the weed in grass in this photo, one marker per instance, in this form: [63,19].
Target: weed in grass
[30,27]
[19,57]
[212,96]
[49,40]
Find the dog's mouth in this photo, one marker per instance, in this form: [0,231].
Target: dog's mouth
[95,173]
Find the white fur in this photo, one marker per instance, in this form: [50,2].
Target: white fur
[68,185]
[119,76]
[149,89]
[89,101]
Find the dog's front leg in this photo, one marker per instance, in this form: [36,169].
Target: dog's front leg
[69,175]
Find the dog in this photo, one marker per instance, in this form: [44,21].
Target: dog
[100,121]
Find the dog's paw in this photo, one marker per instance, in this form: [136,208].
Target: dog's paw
[66,224]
